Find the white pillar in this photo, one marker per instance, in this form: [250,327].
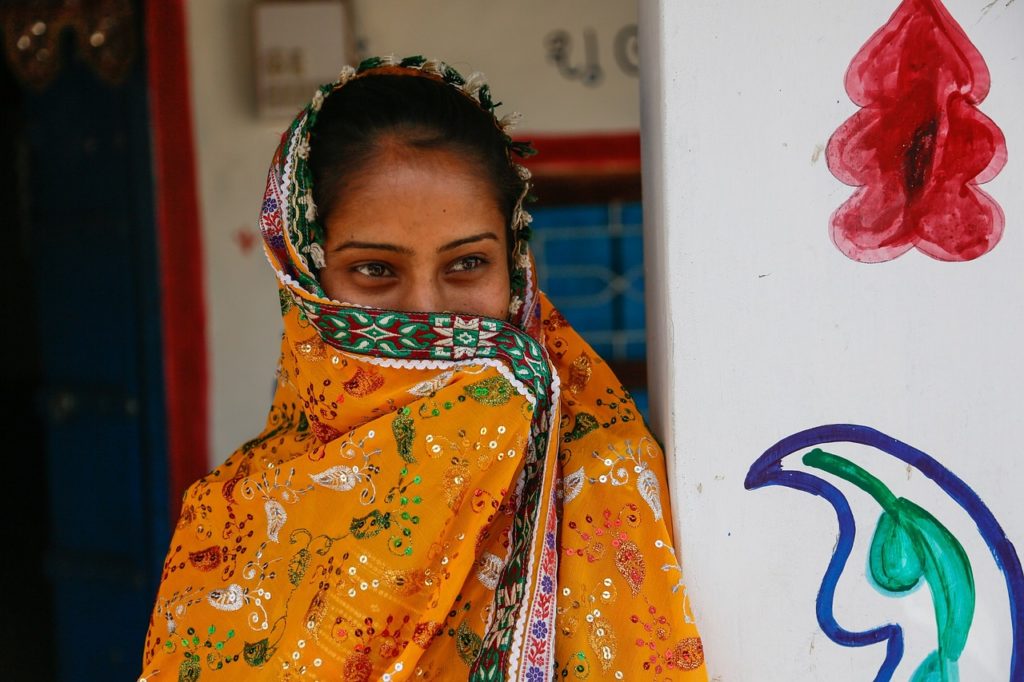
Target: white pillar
[759,328]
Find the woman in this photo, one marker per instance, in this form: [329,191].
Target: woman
[451,484]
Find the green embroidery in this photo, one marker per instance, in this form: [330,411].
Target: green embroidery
[405,431]
[484,96]
[298,565]
[452,76]
[578,664]
[413,62]
[191,665]
[189,669]
[467,643]
[523,148]
[372,524]
[385,334]
[369,63]
[585,423]
[492,392]
[398,520]
[257,653]
[285,299]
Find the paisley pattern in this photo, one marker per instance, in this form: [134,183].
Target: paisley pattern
[424,502]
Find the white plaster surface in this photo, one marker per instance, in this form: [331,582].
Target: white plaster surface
[760,328]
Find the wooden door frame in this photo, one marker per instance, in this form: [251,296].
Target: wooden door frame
[180,247]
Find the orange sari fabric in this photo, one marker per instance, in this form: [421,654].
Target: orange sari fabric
[433,497]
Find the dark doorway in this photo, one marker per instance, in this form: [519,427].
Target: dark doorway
[26,628]
[83,389]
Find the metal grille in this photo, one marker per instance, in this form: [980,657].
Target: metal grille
[590,263]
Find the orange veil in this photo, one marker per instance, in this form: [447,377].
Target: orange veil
[434,496]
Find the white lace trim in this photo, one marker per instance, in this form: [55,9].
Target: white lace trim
[345,75]
[286,279]
[287,181]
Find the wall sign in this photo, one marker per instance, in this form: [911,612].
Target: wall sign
[586,66]
[298,46]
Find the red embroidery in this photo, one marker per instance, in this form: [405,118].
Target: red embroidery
[206,559]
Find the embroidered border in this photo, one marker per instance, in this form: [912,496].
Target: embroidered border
[538,644]
[433,336]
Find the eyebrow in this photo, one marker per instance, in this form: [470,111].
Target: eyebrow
[467,240]
[351,244]
[373,245]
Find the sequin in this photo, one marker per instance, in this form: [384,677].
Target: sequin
[425,632]
[602,640]
[454,483]
[312,348]
[489,570]
[688,654]
[358,667]
[630,563]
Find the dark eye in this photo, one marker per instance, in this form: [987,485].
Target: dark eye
[466,264]
[374,270]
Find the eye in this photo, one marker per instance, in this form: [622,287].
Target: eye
[466,264]
[375,270]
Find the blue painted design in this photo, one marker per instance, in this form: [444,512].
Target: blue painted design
[767,470]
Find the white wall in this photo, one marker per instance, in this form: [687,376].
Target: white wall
[761,328]
[502,39]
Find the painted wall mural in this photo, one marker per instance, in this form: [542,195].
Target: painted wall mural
[909,547]
[918,147]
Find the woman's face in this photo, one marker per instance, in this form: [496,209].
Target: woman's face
[418,231]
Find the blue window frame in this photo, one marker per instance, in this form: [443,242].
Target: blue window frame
[590,263]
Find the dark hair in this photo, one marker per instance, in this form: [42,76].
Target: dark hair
[419,112]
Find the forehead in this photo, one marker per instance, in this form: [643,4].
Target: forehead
[428,196]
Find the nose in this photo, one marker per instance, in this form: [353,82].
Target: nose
[424,295]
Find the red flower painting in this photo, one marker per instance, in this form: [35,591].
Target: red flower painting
[918,147]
